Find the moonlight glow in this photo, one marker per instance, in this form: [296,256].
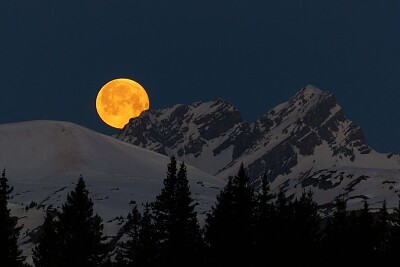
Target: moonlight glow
[120,100]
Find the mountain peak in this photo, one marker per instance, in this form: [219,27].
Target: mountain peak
[308,94]
[310,89]
[299,142]
[215,103]
[204,131]
[220,101]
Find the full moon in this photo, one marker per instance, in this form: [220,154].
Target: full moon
[120,100]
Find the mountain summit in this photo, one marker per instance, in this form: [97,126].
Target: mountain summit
[214,137]
[304,142]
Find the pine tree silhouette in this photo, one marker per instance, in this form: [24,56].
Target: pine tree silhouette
[338,238]
[148,242]
[282,225]
[10,254]
[363,236]
[186,233]
[394,241]
[175,219]
[128,252]
[139,249]
[383,234]
[80,230]
[48,252]
[230,225]
[263,218]
[306,230]
[163,208]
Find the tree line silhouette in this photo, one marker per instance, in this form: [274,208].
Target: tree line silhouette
[244,227]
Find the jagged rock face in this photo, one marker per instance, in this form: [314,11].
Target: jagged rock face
[295,129]
[198,132]
[294,142]
[204,132]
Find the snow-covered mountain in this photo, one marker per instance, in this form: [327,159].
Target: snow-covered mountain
[306,142]
[44,159]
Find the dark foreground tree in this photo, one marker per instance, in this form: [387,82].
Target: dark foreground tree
[229,226]
[147,244]
[306,230]
[263,218]
[287,227]
[128,252]
[338,238]
[10,254]
[383,230]
[175,220]
[139,250]
[363,236]
[48,253]
[81,231]
[282,235]
[395,234]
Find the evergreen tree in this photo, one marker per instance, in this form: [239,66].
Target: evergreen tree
[80,230]
[139,249]
[175,219]
[229,226]
[395,234]
[264,214]
[338,238]
[163,208]
[10,254]
[306,230]
[120,259]
[264,199]
[134,233]
[148,242]
[47,253]
[383,234]
[363,237]
[283,232]
[186,231]
[340,219]
[128,252]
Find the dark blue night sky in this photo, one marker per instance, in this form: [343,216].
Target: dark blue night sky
[55,56]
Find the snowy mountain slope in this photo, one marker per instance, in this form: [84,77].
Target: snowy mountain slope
[44,159]
[207,135]
[297,141]
[307,142]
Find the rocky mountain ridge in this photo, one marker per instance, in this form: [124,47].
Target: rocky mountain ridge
[295,143]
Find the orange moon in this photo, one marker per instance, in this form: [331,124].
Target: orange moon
[120,100]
